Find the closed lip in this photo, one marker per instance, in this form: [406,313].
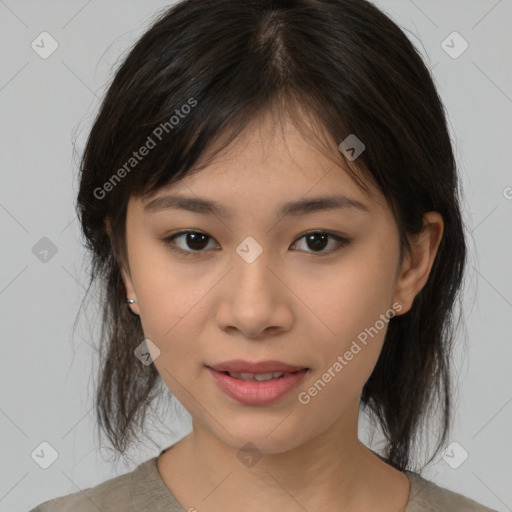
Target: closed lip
[241,366]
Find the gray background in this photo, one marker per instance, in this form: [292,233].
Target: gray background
[46,104]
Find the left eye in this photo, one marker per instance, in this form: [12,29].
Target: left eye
[197,241]
[319,239]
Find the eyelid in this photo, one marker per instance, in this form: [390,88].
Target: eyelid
[341,240]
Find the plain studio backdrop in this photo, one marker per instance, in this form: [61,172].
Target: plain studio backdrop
[49,95]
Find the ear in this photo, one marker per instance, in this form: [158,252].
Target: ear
[125,271]
[415,269]
[130,291]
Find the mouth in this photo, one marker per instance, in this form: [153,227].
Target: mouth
[260,377]
[238,367]
[257,388]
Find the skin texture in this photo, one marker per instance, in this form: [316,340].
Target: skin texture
[293,304]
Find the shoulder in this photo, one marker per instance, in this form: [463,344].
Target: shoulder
[113,495]
[428,496]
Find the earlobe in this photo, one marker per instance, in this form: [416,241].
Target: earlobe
[130,292]
[126,277]
[415,269]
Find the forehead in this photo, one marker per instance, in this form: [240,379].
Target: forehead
[270,164]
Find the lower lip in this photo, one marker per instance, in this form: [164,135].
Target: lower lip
[254,392]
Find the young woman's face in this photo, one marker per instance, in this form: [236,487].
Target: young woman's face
[252,286]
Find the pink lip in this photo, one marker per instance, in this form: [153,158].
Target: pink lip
[257,393]
[241,366]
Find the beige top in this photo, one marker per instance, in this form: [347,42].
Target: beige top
[144,490]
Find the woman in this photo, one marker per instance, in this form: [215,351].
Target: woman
[270,198]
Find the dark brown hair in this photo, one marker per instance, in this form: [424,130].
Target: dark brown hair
[351,70]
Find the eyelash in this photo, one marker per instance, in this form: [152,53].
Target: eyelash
[342,242]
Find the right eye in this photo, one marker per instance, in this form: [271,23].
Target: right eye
[195,240]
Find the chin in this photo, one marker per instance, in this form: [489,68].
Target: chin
[261,437]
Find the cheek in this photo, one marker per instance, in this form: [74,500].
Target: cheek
[352,313]
[359,320]
[174,307]
[167,292]
[341,300]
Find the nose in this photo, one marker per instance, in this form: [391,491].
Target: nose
[254,301]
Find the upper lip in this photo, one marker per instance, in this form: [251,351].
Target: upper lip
[241,366]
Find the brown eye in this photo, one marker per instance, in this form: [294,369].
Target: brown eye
[318,240]
[192,242]
[195,241]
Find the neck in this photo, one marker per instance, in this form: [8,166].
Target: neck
[333,468]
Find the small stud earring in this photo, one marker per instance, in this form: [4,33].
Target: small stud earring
[131,301]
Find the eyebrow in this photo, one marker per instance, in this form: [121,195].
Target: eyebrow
[294,208]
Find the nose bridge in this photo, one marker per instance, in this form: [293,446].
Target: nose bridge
[252,275]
